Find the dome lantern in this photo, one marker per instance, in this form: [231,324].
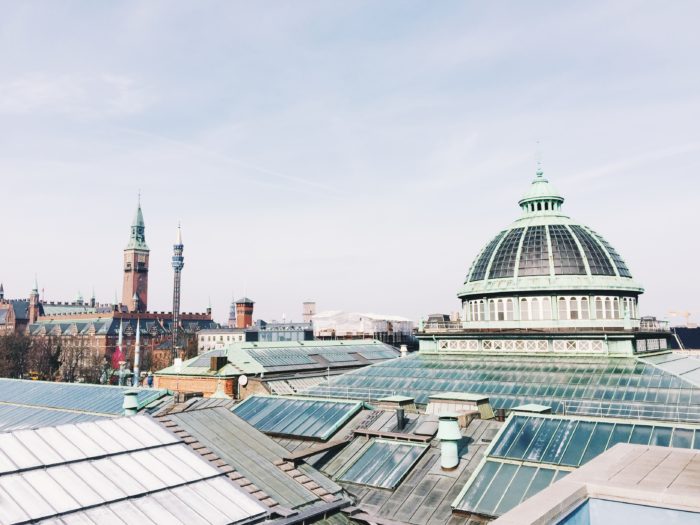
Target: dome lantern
[541,198]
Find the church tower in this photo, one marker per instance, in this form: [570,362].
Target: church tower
[135,291]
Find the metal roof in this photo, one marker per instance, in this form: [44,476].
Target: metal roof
[80,397]
[290,356]
[255,456]
[112,470]
[17,417]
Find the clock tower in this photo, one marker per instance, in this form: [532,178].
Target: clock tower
[135,291]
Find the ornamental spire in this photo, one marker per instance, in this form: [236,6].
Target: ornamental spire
[137,240]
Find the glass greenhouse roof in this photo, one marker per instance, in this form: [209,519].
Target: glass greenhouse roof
[500,486]
[383,463]
[287,416]
[529,449]
[621,387]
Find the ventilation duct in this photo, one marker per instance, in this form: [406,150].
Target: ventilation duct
[449,436]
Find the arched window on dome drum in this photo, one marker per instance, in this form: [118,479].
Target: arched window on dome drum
[584,308]
[535,308]
[546,308]
[509,309]
[500,310]
[616,306]
[599,308]
[492,309]
[524,310]
[573,308]
[482,310]
[562,309]
[609,312]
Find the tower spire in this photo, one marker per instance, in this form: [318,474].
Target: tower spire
[178,263]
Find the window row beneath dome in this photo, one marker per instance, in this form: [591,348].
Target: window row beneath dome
[540,308]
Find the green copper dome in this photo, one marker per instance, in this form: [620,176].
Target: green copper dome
[546,250]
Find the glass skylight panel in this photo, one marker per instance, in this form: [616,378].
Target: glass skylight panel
[383,464]
[503,264]
[157,468]
[498,487]
[617,259]
[534,255]
[598,261]
[565,252]
[482,262]
[296,417]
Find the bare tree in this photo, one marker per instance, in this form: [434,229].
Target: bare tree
[74,350]
[14,355]
[44,358]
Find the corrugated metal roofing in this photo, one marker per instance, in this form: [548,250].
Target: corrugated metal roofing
[15,417]
[112,470]
[311,418]
[95,399]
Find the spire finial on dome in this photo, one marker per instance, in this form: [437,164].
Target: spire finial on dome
[538,160]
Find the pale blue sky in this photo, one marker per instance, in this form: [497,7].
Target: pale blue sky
[355,153]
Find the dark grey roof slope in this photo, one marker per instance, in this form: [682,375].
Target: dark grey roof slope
[257,460]
[425,495]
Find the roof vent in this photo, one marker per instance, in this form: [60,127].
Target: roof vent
[131,402]
[449,436]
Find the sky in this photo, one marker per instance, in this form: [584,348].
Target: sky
[358,154]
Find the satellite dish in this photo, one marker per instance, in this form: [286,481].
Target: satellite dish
[243,380]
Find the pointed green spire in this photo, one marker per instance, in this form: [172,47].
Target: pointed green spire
[137,241]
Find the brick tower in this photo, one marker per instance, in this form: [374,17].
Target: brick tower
[135,292]
[244,313]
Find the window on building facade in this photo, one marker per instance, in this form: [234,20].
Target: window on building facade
[524,310]
[562,309]
[573,308]
[585,314]
[535,309]
[509,310]
[546,308]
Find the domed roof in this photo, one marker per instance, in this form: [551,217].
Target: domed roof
[546,250]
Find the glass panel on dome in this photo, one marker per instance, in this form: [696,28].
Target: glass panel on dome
[534,259]
[617,259]
[565,252]
[504,261]
[482,263]
[598,262]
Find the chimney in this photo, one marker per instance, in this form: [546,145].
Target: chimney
[449,436]
[217,362]
[131,402]
[400,419]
